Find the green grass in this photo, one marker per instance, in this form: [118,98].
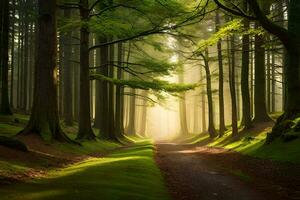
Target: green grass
[8,167]
[253,143]
[88,147]
[129,173]
[9,130]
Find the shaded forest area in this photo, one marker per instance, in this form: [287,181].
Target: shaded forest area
[90,79]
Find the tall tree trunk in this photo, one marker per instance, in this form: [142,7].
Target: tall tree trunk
[101,119]
[182,109]
[67,74]
[85,131]
[12,53]
[119,96]
[246,119]
[111,98]
[203,106]
[273,80]
[222,126]
[44,117]
[144,113]
[196,115]
[5,105]
[231,63]
[1,40]
[132,111]
[76,80]
[211,127]
[260,107]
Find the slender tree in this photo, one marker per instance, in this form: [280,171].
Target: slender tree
[231,64]
[211,127]
[222,126]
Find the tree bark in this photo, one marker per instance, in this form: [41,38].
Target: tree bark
[211,127]
[5,105]
[246,119]
[85,131]
[260,107]
[119,96]
[182,109]
[132,111]
[222,127]
[67,74]
[144,114]
[231,63]
[44,118]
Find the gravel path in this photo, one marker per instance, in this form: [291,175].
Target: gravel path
[202,173]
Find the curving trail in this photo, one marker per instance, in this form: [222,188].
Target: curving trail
[202,173]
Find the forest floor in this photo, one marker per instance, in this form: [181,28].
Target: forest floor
[95,170]
[208,173]
[226,168]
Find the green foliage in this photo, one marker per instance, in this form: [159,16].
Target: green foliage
[235,27]
[155,84]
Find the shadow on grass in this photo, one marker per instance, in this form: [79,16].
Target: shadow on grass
[127,174]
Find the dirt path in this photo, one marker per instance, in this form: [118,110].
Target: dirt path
[201,173]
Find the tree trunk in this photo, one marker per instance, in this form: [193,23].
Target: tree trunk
[231,63]
[211,127]
[222,127]
[67,74]
[12,52]
[44,118]
[5,105]
[246,119]
[111,98]
[182,109]
[119,96]
[203,106]
[144,114]
[260,108]
[132,111]
[85,131]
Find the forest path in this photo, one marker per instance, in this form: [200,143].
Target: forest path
[203,173]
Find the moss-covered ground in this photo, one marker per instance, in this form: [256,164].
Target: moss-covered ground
[107,171]
[252,142]
[128,173]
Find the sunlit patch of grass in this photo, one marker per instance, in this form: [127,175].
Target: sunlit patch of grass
[129,173]
[253,143]
[9,130]
[9,167]
[88,147]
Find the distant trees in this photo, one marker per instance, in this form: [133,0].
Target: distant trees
[107,52]
[289,39]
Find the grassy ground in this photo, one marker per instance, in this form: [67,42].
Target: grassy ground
[96,170]
[253,143]
[129,173]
